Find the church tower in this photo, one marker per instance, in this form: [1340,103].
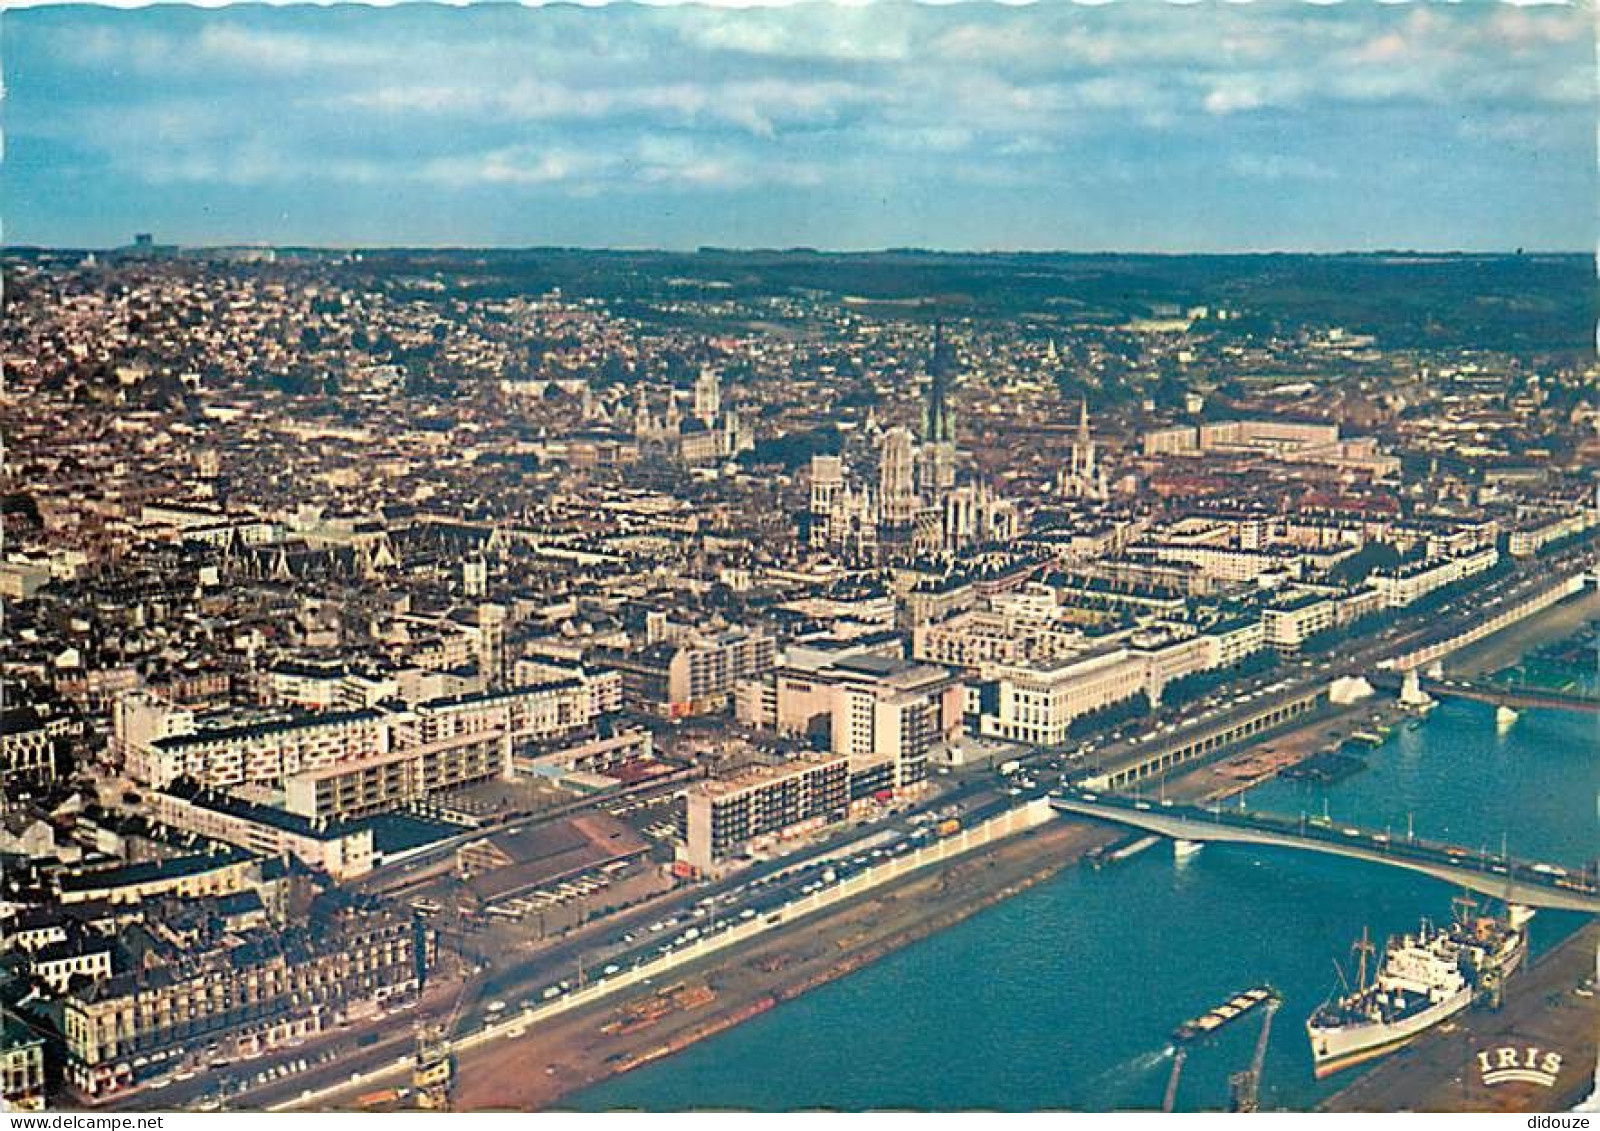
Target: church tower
[896,486]
[1085,479]
[708,396]
[937,473]
[938,418]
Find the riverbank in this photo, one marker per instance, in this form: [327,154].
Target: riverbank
[1545,1011]
[570,1053]
[578,1050]
[1252,765]
[1506,648]
[1005,1011]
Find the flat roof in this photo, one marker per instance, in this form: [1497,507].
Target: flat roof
[256,730]
[151,870]
[269,815]
[759,774]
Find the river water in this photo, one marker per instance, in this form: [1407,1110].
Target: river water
[1063,996]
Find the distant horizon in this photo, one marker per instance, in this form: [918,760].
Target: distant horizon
[1146,127]
[773,249]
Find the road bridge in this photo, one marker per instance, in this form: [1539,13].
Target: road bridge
[1498,694]
[1529,883]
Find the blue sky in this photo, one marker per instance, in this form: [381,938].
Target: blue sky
[1133,125]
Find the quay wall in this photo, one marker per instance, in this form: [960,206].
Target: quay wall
[1523,609]
[1017,819]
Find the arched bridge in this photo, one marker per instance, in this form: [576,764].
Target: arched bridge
[1515,881]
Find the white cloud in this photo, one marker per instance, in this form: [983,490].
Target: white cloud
[759,106]
[511,166]
[717,98]
[1278,167]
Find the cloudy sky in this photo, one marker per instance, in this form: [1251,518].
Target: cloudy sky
[1133,125]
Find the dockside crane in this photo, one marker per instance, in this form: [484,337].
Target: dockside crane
[1244,1088]
[1178,1057]
[433,1066]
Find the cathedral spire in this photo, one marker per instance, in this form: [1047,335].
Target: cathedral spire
[938,418]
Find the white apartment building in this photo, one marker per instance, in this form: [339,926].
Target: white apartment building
[1409,583]
[701,675]
[1297,618]
[263,753]
[605,687]
[341,851]
[58,965]
[342,763]
[1037,703]
[1528,540]
[888,715]
[725,817]
[1231,642]
[1225,563]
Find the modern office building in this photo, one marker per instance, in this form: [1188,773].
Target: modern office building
[1037,704]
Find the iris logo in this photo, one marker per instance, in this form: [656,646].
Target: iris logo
[1527,1064]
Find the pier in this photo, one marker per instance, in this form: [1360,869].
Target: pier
[1531,883]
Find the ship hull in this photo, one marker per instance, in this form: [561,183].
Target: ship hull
[1335,1049]
[1514,958]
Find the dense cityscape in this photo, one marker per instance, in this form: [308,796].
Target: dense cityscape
[821,556]
[507,641]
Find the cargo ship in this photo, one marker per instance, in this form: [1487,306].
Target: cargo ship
[1492,946]
[1425,978]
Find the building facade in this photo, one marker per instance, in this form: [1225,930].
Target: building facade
[268,987]
[724,818]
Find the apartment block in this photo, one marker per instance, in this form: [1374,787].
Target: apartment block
[341,851]
[264,988]
[723,818]
[264,753]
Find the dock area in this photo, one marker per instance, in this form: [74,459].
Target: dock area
[1537,1054]
[578,1049]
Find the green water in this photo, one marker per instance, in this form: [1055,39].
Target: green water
[1063,996]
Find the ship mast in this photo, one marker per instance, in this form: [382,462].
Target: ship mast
[1362,949]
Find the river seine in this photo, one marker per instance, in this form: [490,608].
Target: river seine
[1063,996]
